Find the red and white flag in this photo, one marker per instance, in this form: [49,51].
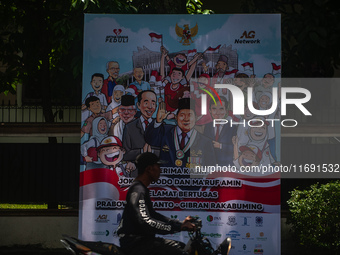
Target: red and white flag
[231,72]
[191,53]
[276,69]
[212,50]
[248,66]
[155,37]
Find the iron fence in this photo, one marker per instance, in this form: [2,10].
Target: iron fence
[34,114]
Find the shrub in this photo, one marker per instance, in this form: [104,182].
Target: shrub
[314,215]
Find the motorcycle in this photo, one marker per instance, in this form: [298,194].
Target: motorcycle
[198,244]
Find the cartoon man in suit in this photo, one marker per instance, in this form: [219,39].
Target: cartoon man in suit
[133,136]
[180,145]
[221,135]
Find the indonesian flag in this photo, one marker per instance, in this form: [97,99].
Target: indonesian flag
[276,68]
[155,37]
[231,72]
[212,50]
[248,66]
[191,53]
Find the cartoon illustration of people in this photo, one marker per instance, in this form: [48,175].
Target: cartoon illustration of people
[117,94]
[100,129]
[222,75]
[180,61]
[172,88]
[112,68]
[173,82]
[221,135]
[181,145]
[222,72]
[139,85]
[133,136]
[266,84]
[97,80]
[126,111]
[258,135]
[110,153]
[241,80]
[93,104]
[246,155]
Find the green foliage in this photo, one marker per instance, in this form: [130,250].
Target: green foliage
[195,7]
[23,206]
[315,215]
[41,42]
[310,35]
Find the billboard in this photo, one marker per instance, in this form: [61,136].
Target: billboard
[198,91]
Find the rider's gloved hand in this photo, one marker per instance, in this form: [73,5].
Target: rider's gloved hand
[187,224]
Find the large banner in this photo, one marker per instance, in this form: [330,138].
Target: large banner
[201,92]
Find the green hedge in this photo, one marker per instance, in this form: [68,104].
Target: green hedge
[315,216]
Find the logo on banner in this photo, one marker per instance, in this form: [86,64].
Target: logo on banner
[186,34]
[232,221]
[259,221]
[214,221]
[213,235]
[261,237]
[234,235]
[118,218]
[117,38]
[247,37]
[244,250]
[245,221]
[101,233]
[247,237]
[102,218]
[117,31]
[258,249]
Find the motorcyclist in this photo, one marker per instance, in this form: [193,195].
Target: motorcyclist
[140,222]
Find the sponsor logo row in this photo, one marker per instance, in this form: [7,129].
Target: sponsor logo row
[244,221]
[248,249]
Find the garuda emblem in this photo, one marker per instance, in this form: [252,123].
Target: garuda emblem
[186,33]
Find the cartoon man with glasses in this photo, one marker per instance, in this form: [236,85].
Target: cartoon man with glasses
[126,111]
[112,68]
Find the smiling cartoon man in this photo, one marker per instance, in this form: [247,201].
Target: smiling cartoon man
[220,135]
[133,136]
[139,85]
[127,111]
[97,80]
[112,68]
[247,155]
[110,153]
[93,105]
[181,145]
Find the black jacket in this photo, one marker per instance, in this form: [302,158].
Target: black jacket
[139,217]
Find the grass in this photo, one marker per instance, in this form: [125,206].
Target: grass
[29,206]
[23,206]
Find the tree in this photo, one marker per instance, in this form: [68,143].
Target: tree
[314,215]
[41,42]
[310,35]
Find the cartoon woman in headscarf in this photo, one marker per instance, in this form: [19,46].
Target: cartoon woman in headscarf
[258,134]
[100,129]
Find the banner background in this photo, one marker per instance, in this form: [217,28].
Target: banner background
[244,39]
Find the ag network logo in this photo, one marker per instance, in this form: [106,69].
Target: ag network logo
[238,105]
